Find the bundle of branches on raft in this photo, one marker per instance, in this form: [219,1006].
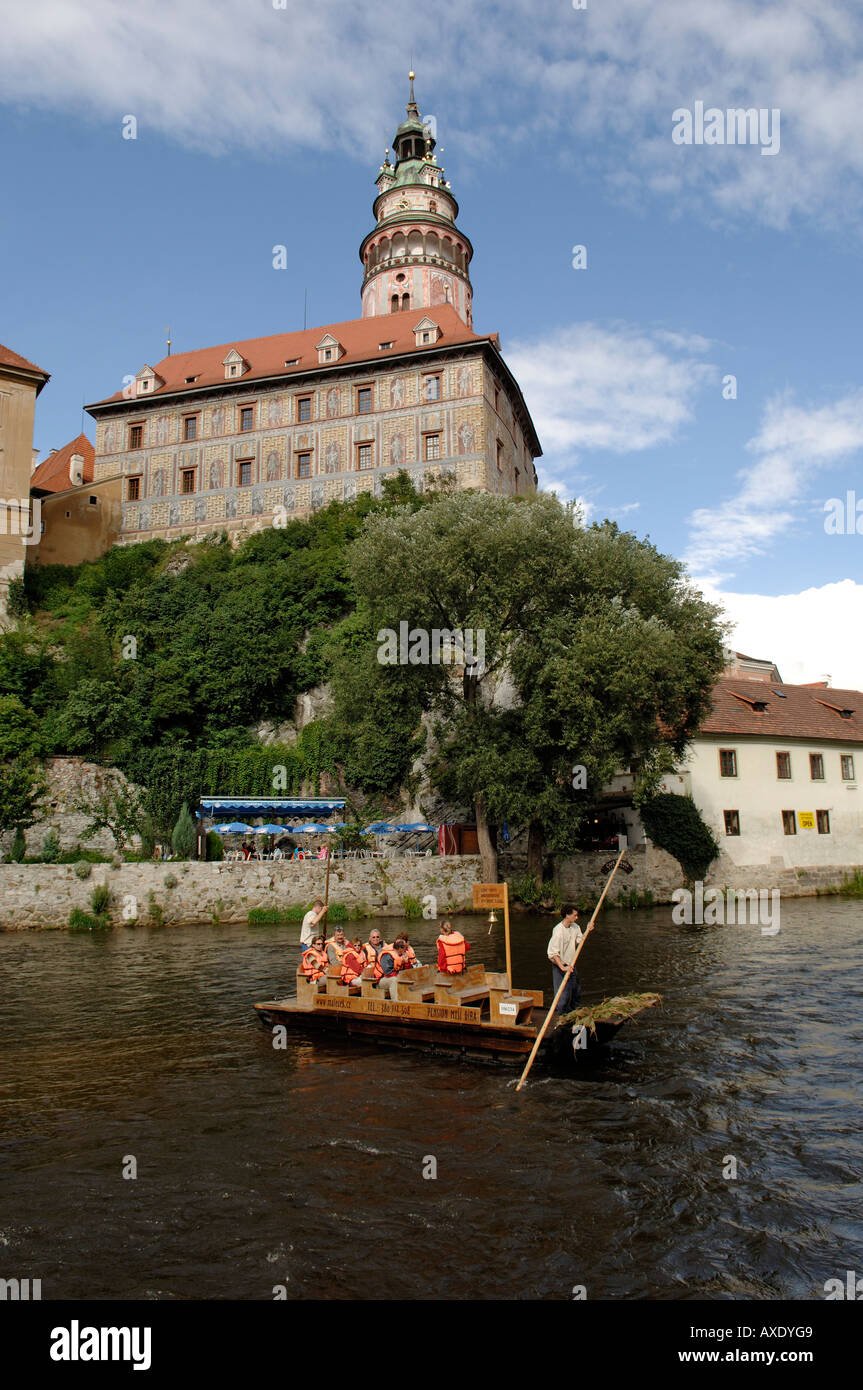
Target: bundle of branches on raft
[613,1010]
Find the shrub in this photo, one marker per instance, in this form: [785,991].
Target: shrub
[19,846]
[411,907]
[170,881]
[853,887]
[338,912]
[148,836]
[100,898]
[85,921]
[183,836]
[268,916]
[51,847]
[215,848]
[675,825]
[157,916]
[83,868]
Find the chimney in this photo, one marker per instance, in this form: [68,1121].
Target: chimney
[76,470]
[826,679]
[34,461]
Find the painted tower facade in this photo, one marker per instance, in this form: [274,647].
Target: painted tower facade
[416,257]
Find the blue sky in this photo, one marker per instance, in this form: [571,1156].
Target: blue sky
[260,126]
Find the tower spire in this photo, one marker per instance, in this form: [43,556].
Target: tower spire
[416,256]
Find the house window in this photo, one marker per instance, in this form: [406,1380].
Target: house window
[425,336]
[133,490]
[394,304]
[823,819]
[432,446]
[328,354]
[304,465]
[304,409]
[364,400]
[187,483]
[499,457]
[244,477]
[783,766]
[732,822]
[190,427]
[136,436]
[247,417]
[93,501]
[497,398]
[727,762]
[382,347]
[816,767]
[364,456]
[789,823]
[431,387]
[847,767]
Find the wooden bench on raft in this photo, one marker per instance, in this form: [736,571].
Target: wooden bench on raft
[470,987]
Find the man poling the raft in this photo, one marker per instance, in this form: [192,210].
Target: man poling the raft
[570,968]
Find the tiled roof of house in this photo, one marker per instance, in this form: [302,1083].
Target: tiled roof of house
[52,474]
[360,339]
[789,711]
[8,358]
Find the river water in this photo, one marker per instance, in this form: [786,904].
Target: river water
[259,1168]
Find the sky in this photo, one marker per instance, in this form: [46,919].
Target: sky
[694,373]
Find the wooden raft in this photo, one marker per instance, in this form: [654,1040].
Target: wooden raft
[476,996]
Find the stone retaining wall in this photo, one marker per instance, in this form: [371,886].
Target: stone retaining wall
[43,895]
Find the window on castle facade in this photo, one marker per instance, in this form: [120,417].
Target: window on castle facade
[244,473]
[732,822]
[432,446]
[727,762]
[304,409]
[304,465]
[783,766]
[364,456]
[188,480]
[816,767]
[247,417]
[133,490]
[823,819]
[364,400]
[847,767]
[190,427]
[789,823]
[431,387]
[136,436]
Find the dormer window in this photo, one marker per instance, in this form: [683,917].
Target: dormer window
[146,382]
[329,349]
[234,364]
[426,332]
[190,380]
[291,361]
[382,347]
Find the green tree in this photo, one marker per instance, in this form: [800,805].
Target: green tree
[597,653]
[20,730]
[112,805]
[184,837]
[21,792]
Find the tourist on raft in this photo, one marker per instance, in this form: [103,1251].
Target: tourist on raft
[310,921]
[315,960]
[336,946]
[409,951]
[353,961]
[564,943]
[373,946]
[391,960]
[452,950]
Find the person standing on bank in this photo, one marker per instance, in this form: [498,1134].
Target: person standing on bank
[565,941]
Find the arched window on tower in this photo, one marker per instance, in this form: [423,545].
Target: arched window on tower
[406,301]
[432,206]
[394,304]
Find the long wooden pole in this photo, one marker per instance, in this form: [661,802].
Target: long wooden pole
[506,932]
[567,974]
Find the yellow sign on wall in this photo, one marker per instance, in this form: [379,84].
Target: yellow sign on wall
[806,820]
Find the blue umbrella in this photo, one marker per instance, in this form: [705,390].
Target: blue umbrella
[234,827]
[270,829]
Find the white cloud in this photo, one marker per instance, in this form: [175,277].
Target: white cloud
[590,387]
[792,445]
[809,635]
[211,75]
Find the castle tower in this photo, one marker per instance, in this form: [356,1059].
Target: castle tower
[416,257]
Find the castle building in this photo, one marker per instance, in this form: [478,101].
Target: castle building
[20,383]
[241,435]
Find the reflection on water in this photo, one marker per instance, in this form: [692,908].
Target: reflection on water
[304,1167]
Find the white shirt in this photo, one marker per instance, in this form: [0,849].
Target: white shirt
[564,942]
[309,929]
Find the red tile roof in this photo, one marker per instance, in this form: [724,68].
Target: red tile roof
[8,358]
[805,711]
[360,339]
[52,474]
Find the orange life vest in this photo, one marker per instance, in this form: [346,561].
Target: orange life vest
[314,963]
[339,950]
[399,963]
[371,953]
[411,957]
[455,951]
[349,971]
